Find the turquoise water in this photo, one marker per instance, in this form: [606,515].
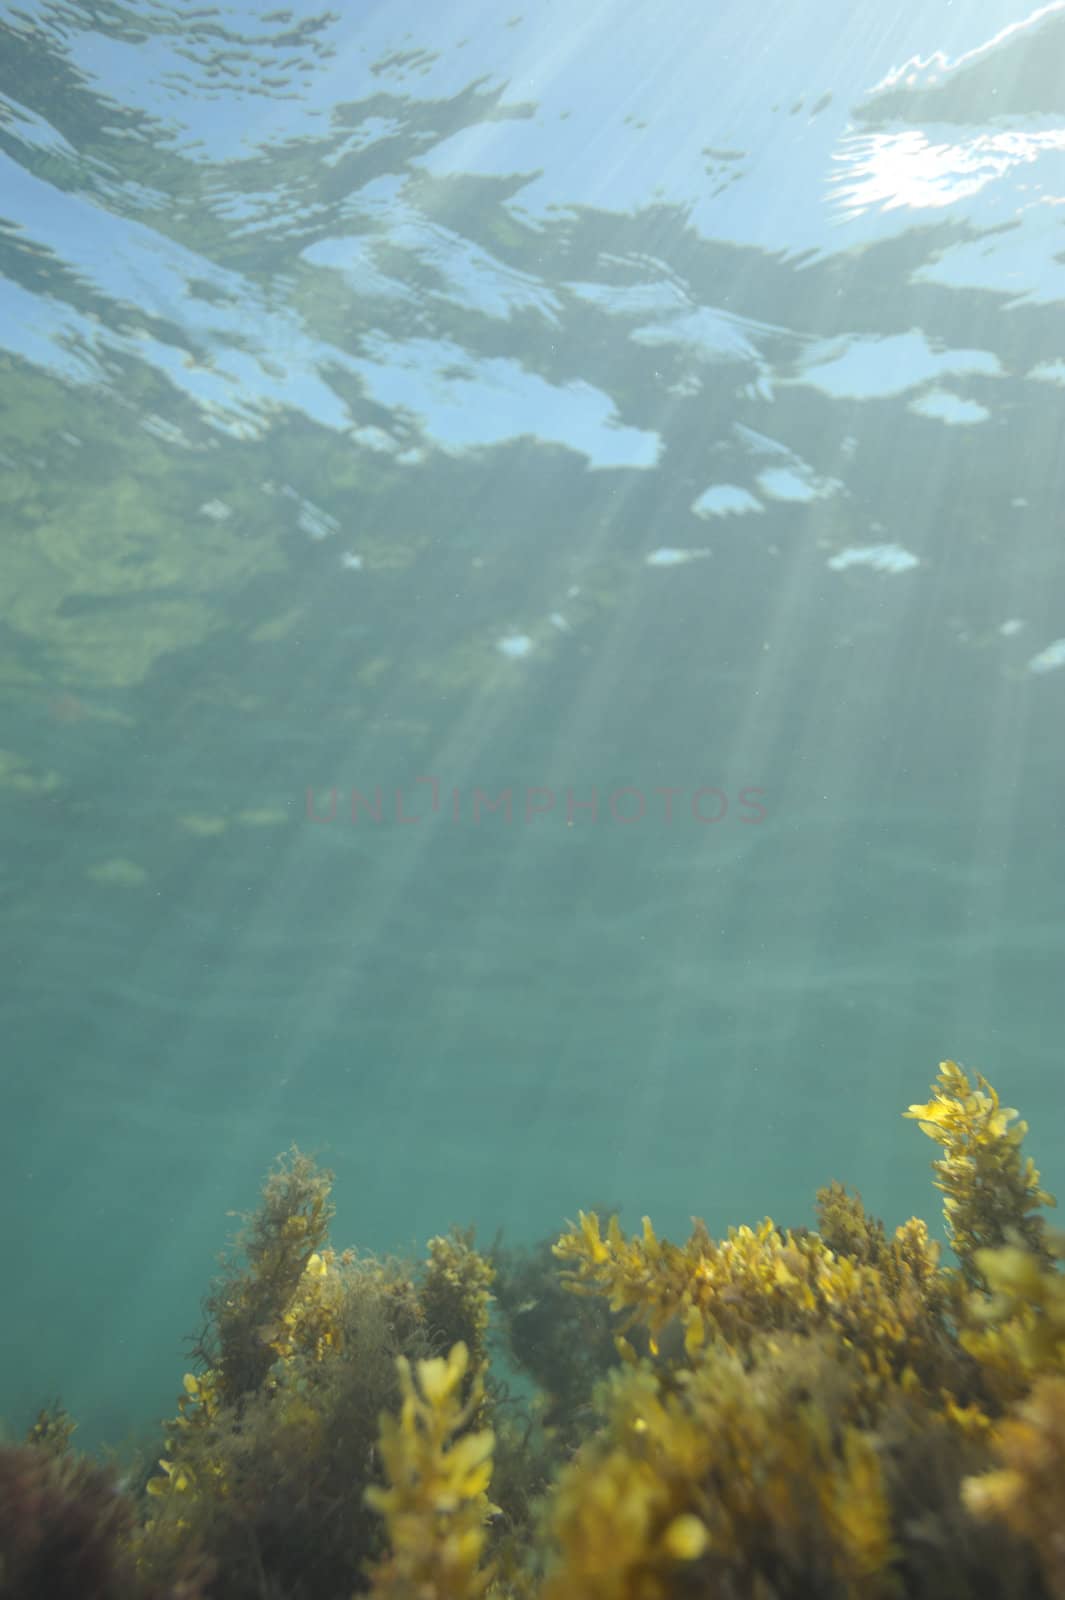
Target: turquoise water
[639,441]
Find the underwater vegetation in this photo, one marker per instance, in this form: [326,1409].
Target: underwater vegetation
[779,1414]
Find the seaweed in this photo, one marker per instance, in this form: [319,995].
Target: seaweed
[990,1197]
[438,1465]
[68,1532]
[776,1414]
[278,1242]
[563,1344]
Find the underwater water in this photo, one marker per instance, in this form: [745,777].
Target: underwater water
[532,625]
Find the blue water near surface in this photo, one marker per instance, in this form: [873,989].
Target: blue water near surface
[531,624]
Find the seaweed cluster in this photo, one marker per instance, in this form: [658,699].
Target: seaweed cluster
[774,1415]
